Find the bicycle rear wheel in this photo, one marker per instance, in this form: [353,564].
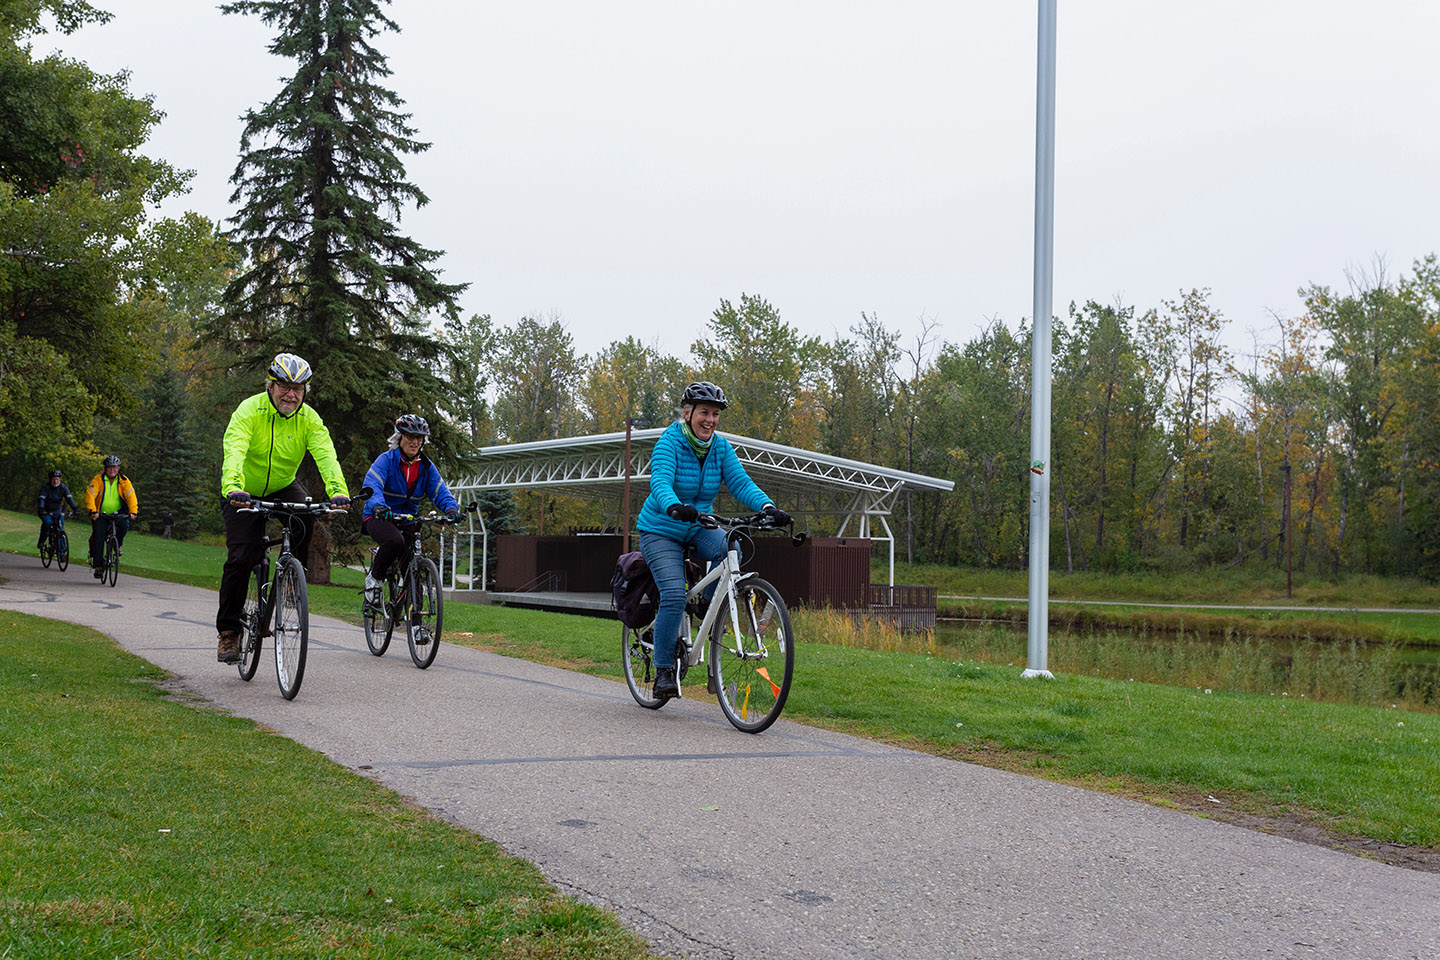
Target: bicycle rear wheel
[380,624]
[636,657]
[292,626]
[62,551]
[254,630]
[752,659]
[112,560]
[45,548]
[427,609]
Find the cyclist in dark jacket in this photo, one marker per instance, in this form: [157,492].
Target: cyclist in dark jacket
[689,465]
[51,509]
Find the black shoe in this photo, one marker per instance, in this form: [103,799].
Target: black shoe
[99,573]
[665,685]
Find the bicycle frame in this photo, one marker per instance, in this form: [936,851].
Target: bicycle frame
[726,575]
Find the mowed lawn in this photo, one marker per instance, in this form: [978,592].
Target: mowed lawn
[1351,770]
[137,825]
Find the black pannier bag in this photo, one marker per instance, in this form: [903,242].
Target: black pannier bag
[633,592]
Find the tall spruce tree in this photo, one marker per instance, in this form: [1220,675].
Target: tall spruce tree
[171,475]
[322,188]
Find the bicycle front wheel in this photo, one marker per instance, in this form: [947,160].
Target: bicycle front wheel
[254,629]
[753,658]
[380,624]
[426,613]
[45,545]
[636,656]
[112,560]
[292,626]
[62,551]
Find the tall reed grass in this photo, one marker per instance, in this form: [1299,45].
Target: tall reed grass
[1339,672]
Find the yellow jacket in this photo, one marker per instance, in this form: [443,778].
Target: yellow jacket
[95,493]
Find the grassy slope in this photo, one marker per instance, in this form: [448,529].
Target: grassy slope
[117,838]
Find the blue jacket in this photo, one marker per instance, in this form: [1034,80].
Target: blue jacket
[678,476]
[386,480]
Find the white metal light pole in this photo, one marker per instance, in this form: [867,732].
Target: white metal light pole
[1037,662]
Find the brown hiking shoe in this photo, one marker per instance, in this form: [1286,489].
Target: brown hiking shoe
[228,650]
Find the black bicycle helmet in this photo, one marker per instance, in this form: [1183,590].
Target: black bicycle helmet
[288,368]
[704,392]
[54,474]
[112,461]
[413,424]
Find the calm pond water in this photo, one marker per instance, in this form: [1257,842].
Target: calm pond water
[1369,673]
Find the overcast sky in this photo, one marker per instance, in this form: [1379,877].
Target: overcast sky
[626,165]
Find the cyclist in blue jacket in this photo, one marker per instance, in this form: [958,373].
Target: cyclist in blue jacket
[399,480]
[687,467]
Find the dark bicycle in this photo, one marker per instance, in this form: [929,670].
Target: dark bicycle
[56,544]
[278,605]
[411,593]
[746,627]
[110,552]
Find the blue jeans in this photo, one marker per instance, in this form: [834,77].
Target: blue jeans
[666,559]
[46,519]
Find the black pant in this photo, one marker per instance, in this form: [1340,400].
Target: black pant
[245,545]
[99,530]
[391,541]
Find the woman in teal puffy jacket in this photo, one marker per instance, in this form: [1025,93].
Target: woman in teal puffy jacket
[687,468]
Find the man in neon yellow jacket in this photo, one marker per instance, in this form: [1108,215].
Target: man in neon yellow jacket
[269,434]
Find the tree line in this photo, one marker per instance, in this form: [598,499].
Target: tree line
[125,332]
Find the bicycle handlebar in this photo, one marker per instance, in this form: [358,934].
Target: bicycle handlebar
[253,505]
[431,517]
[759,521]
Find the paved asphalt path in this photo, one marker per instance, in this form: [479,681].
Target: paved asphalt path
[796,843]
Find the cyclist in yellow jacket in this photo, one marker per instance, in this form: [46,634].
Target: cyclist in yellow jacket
[108,493]
[269,434]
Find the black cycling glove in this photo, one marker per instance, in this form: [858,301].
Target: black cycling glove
[777,516]
[684,512]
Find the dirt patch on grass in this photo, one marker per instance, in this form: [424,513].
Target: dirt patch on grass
[1306,826]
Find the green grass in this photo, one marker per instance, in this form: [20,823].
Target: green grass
[178,561]
[135,825]
[1351,769]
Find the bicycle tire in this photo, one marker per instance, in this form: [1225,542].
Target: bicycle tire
[112,560]
[62,551]
[745,660]
[427,611]
[45,545]
[254,626]
[292,625]
[634,653]
[378,630]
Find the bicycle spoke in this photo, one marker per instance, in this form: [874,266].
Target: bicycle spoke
[636,656]
[292,624]
[753,659]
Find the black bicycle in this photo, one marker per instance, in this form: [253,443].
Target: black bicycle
[277,603]
[746,627]
[411,593]
[110,552]
[55,545]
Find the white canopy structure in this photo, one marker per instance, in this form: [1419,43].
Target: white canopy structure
[806,484]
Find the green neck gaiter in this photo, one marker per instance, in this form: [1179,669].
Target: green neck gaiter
[701,447]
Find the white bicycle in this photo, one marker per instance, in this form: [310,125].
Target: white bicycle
[751,645]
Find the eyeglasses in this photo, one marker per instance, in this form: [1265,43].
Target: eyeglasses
[296,389]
